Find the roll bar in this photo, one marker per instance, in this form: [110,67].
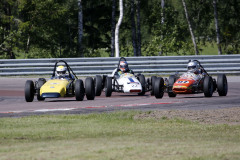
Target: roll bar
[199,65]
[68,68]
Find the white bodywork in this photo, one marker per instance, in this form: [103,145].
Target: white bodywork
[129,82]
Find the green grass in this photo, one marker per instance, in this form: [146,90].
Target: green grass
[113,136]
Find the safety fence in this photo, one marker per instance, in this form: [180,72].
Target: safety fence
[160,65]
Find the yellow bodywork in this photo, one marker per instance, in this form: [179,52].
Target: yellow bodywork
[55,86]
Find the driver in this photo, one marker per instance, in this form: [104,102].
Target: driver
[194,67]
[61,72]
[123,68]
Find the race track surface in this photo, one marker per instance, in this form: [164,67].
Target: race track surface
[13,104]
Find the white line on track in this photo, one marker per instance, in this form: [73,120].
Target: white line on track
[69,109]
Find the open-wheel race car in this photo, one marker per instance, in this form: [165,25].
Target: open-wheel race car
[123,80]
[63,83]
[196,80]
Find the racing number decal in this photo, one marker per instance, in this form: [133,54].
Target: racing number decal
[183,82]
[131,80]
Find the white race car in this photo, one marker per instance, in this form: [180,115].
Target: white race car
[128,83]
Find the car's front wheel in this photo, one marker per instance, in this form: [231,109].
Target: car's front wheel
[153,79]
[40,83]
[79,90]
[141,79]
[98,85]
[159,87]
[172,80]
[222,85]
[29,91]
[90,88]
[108,86]
[208,86]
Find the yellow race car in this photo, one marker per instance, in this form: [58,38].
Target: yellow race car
[63,83]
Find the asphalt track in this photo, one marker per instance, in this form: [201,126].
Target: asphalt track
[13,104]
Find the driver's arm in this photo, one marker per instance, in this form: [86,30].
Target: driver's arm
[117,72]
[131,71]
[114,72]
[72,77]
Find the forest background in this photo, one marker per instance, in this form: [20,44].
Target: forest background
[76,28]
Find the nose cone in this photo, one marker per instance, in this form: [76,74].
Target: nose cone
[183,86]
[130,84]
[54,86]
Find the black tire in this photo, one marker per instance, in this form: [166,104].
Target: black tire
[108,86]
[208,86]
[214,85]
[79,90]
[222,85]
[103,80]
[40,83]
[142,80]
[153,79]
[90,88]
[159,87]
[172,80]
[98,85]
[29,91]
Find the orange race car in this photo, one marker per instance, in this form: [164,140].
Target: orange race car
[196,80]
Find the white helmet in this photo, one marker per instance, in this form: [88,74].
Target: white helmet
[193,67]
[61,71]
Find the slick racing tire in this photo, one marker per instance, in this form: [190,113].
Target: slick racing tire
[108,86]
[153,79]
[40,83]
[79,90]
[208,86]
[222,85]
[172,80]
[29,91]
[98,85]
[143,83]
[159,87]
[90,88]
[214,85]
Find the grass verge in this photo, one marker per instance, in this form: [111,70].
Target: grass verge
[117,135]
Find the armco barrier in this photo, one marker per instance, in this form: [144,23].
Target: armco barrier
[162,65]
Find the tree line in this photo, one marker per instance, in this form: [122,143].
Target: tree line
[76,28]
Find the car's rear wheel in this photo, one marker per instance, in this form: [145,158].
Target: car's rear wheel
[108,86]
[159,87]
[40,83]
[222,85]
[79,90]
[153,78]
[208,86]
[171,81]
[90,88]
[214,85]
[98,85]
[29,91]
[141,79]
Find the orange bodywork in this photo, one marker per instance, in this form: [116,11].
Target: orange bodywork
[184,86]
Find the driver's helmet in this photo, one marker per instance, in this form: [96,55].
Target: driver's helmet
[123,66]
[61,71]
[193,67]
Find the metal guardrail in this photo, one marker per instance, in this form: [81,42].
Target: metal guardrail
[162,65]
